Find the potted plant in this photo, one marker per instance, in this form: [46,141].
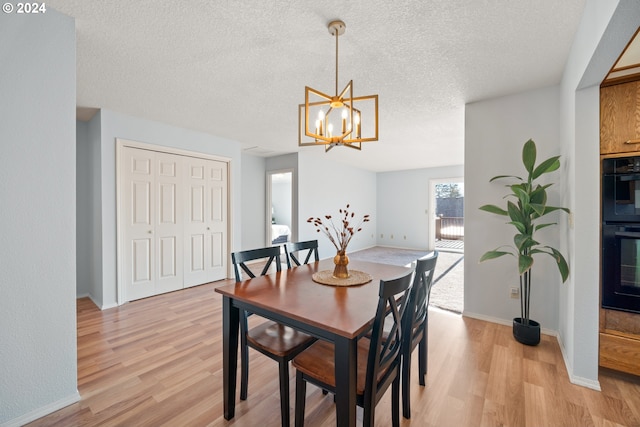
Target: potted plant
[526,206]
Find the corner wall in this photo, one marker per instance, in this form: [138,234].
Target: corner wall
[495,131]
[604,31]
[38,365]
[115,125]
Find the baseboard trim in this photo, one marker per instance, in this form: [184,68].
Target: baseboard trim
[97,304]
[574,379]
[505,322]
[41,412]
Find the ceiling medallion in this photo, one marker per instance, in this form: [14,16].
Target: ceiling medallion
[341,119]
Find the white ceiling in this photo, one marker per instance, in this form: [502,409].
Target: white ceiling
[238,68]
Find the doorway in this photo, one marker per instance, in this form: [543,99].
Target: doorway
[446,235]
[446,223]
[280,224]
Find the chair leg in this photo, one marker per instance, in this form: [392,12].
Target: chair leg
[244,372]
[406,384]
[422,355]
[244,361]
[301,391]
[284,392]
[395,402]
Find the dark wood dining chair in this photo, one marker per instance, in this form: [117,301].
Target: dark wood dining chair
[416,324]
[378,359]
[311,246]
[272,339]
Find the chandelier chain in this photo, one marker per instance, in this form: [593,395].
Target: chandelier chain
[336,62]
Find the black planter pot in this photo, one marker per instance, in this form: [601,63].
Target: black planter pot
[526,334]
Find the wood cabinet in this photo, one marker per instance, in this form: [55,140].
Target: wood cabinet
[620,341]
[620,133]
[620,118]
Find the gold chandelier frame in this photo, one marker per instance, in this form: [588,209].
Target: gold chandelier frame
[350,133]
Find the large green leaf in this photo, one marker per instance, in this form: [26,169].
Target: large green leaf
[529,156]
[524,263]
[539,195]
[523,242]
[504,176]
[538,209]
[519,226]
[520,193]
[549,209]
[515,213]
[541,226]
[493,209]
[549,165]
[562,264]
[493,254]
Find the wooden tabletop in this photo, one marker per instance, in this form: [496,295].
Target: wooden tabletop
[344,311]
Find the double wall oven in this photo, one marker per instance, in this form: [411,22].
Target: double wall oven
[621,233]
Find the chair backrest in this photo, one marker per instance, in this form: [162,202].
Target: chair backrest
[240,258]
[420,292]
[384,351]
[291,247]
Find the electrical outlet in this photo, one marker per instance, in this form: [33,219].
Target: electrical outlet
[514,293]
[571,220]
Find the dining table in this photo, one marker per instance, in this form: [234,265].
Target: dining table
[338,314]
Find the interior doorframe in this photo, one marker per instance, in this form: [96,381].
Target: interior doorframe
[432,205]
[268,201]
[121,297]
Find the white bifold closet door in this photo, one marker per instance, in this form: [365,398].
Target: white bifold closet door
[205,221]
[173,219]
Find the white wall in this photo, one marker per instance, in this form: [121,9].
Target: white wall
[495,131]
[38,367]
[605,29]
[115,125]
[253,202]
[403,203]
[327,186]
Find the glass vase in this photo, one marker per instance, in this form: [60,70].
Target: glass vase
[341,260]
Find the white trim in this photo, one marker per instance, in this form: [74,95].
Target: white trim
[581,381]
[170,150]
[41,412]
[120,144]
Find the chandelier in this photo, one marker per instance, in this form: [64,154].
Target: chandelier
[341,119]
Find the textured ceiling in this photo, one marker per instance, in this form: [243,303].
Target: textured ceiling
[238,68]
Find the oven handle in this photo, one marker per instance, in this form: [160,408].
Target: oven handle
[631,177]
[627,234]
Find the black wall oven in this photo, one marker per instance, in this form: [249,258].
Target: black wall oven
[621,233]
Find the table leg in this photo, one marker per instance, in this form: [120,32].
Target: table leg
[345,362]
[230,326]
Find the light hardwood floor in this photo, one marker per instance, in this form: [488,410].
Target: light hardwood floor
[158,361]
